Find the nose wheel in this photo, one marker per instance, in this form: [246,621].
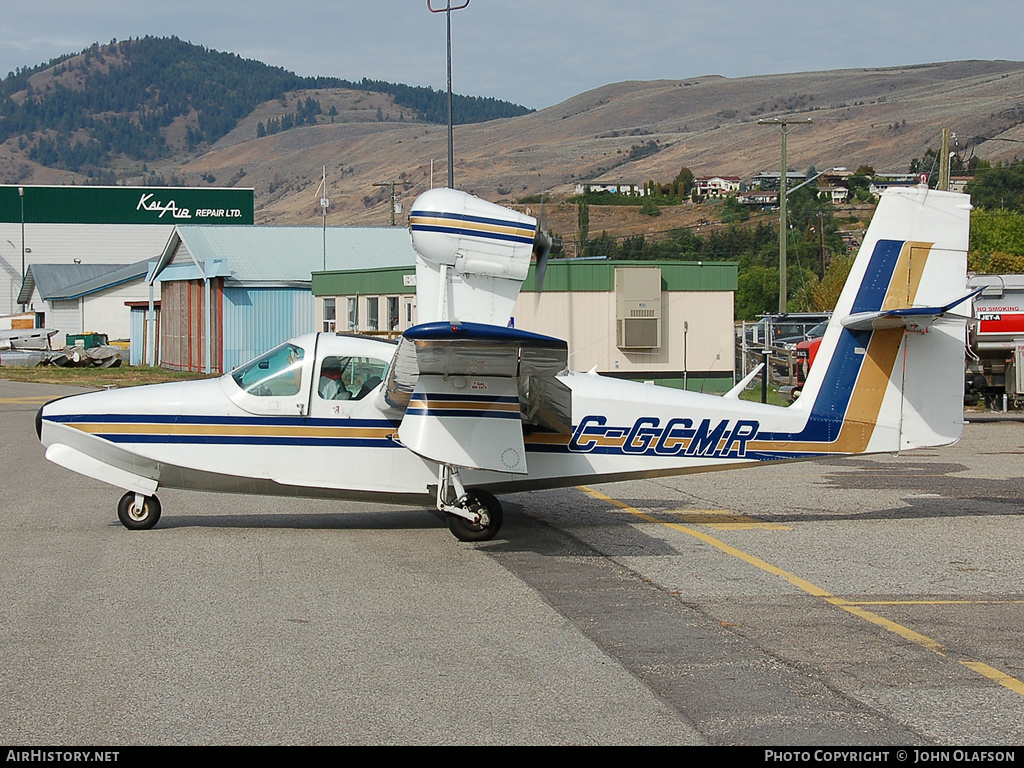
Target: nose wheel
[137,512]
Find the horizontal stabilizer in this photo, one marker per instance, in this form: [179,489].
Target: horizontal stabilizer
[909,317]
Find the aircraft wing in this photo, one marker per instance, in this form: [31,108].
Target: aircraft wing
[468,389]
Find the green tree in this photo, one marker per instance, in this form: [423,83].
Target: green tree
[997,237]
[826,293]
[757,292]
[583,220]
[682,184]
[998,188]
[648,207]
[733,210]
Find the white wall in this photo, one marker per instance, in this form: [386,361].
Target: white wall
[63,243]
[586,320]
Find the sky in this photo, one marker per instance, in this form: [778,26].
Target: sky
[533,52]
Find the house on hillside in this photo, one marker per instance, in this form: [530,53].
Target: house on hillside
[768,181]
[636,190]
[759,197]
[716,186]
[836,195]
[882,182]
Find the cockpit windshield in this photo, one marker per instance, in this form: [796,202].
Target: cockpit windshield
[278,373]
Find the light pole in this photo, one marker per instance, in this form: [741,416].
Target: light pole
[21,195]
[447,11]
[784,123]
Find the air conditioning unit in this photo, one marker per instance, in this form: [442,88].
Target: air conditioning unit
[638,307]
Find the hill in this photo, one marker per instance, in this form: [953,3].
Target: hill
[369,133]
[101,113]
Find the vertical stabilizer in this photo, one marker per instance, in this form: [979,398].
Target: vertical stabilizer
[890,371]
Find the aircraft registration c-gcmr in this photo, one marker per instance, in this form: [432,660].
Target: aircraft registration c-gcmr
[463,407]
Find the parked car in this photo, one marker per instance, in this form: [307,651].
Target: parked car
[789,328]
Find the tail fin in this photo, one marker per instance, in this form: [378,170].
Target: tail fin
[890,372]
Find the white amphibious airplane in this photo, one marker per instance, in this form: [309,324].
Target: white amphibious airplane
[463,407]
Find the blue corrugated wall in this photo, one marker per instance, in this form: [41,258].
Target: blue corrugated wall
[258,319]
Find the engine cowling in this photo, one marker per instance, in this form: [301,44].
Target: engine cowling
[472,256]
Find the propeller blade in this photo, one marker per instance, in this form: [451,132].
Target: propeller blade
[543,246]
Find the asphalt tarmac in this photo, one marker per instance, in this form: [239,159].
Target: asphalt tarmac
[873,601]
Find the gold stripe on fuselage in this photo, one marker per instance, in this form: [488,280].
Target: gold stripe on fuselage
[235,430]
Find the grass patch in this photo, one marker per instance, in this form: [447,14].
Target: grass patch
[122,376]
[753,394]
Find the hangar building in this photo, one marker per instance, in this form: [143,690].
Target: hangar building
[63,227]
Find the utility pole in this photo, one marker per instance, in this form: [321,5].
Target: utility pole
[944,162]
[394,200]
[21,195]
[447,11]
[324,202]
[783,183]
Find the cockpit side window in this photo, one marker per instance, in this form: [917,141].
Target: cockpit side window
[349,378]
[276,374]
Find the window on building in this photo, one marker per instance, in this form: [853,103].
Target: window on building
[353,314]
[329,315]
[372,314]
[393,313]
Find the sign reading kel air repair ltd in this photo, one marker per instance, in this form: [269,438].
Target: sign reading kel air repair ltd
[125,205]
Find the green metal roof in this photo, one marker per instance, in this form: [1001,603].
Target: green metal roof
[388,280]
[562,275]
[599,275]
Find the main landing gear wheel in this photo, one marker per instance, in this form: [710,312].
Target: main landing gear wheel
[464,530]
[135,519]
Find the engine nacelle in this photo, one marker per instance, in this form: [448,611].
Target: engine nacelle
[472,257]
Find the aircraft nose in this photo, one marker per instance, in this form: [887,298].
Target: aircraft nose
[39,422]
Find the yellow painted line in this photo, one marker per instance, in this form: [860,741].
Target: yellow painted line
[995,675]
[757,562]
[898,629]
[935,602]
[1008,682]
[30,399]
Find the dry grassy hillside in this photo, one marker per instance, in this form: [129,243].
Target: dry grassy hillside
[879,117]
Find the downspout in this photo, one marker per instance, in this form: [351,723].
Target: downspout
[150,334]
[207,322]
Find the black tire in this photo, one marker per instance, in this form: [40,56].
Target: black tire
[463,530]
[134,521]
